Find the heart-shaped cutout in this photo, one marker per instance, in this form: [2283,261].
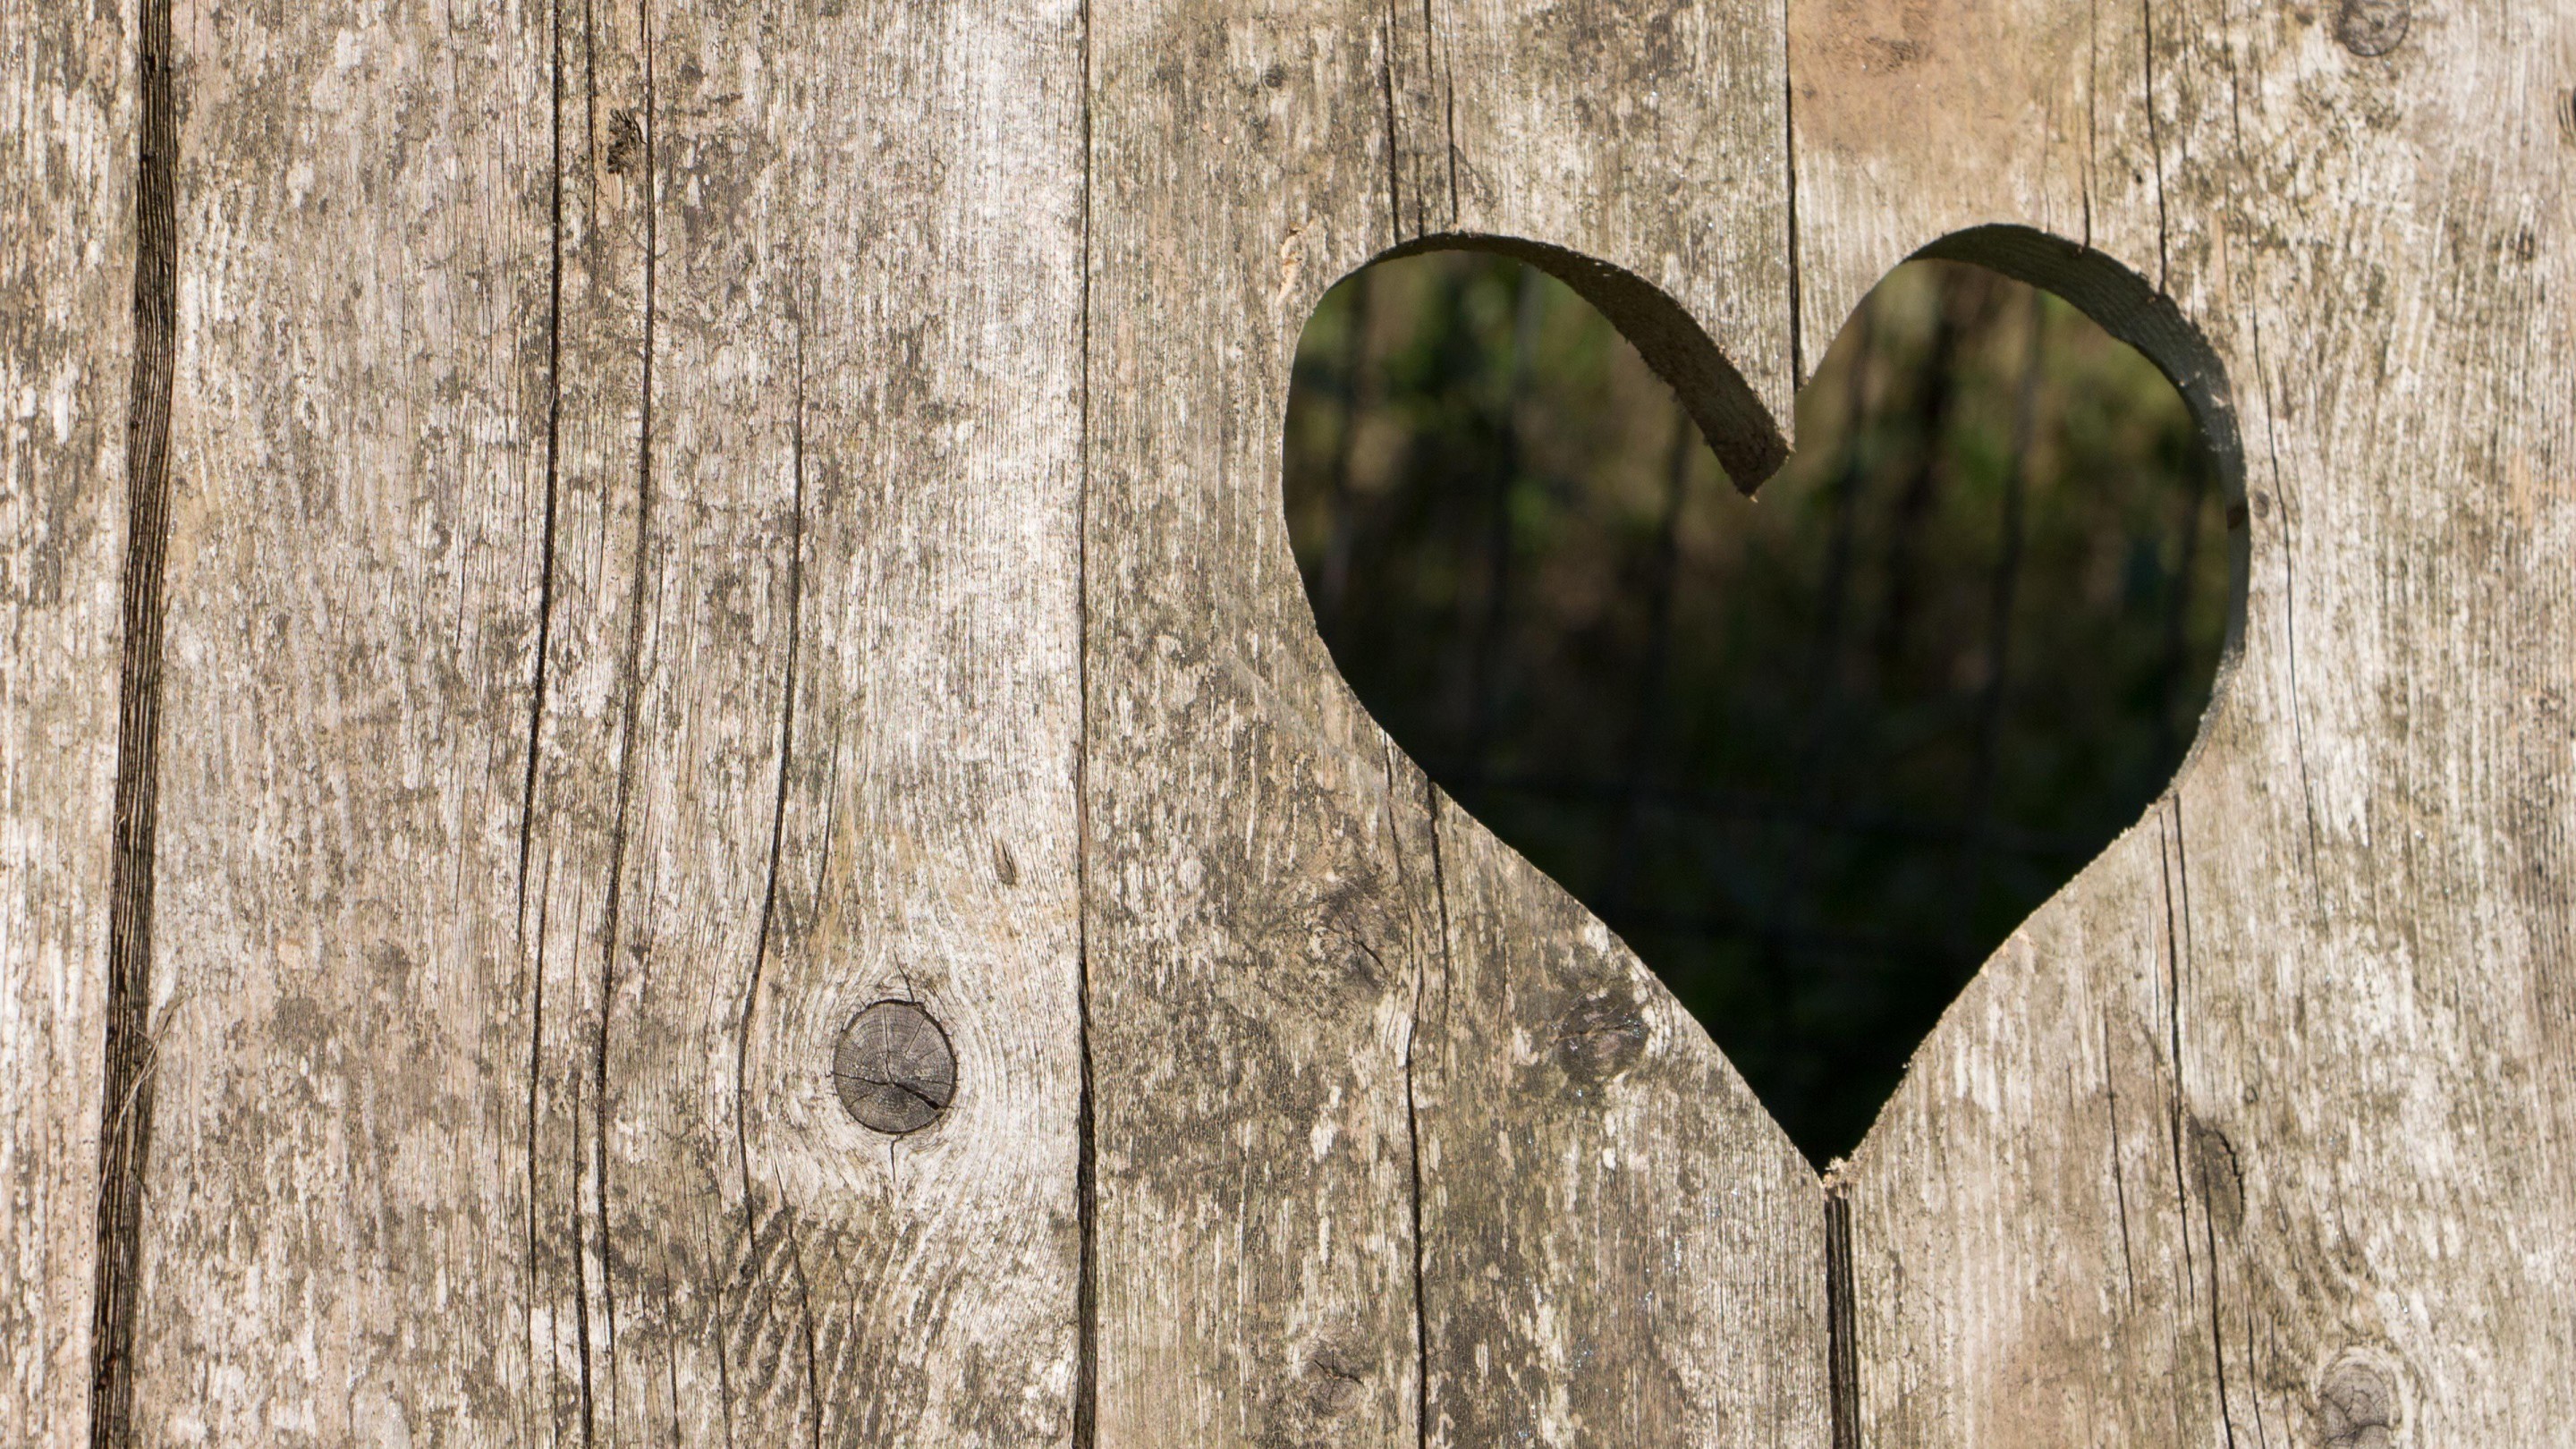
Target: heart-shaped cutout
[1814,756]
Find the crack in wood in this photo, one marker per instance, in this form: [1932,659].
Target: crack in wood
[1842,1350]
[125,1130]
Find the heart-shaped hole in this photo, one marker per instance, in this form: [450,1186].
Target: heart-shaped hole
[1813,756]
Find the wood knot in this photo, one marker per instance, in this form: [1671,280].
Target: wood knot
[2222,1177]
[1599,1039]
[625,141]
[2357,1407]
[1332,1380]
[2372,27]
[894,1068]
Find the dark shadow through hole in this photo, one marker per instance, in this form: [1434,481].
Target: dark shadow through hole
[1813,756]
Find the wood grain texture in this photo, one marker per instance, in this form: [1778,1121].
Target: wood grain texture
[1255,938]
[927,185]
[1620,1245]
[332,1242]
[1323,1216]
[1645,139]
[2255,1134]
[623,621]
[685,524]
[68,104]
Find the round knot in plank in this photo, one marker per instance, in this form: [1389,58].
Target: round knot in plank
[2373,27]
[894,1068]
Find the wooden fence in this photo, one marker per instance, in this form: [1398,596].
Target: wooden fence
[556,556]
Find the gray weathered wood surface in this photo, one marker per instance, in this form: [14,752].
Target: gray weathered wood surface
[68,131]
[1312,1225]
[684,524]
[2259,1133]
[621,622]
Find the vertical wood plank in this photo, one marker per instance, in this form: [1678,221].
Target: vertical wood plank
[915,191]
[68,103]
[1648,136]
[624,620]
[2054,95]
[1619,1246]
[603,549]
[1255,938]
[2325,978]
[332,1234]
[1323,1215]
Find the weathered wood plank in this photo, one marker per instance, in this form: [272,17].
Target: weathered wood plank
[68,142]
[2326,978]
[333,1235]
[602,546]
[1255,939]
[624,621]
[1911,123]
[1619,1246]
[1265,918]
[1646,136]
[914,184]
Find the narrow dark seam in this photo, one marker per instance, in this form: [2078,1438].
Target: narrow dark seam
[581,1286]
[1086,1289]
[2178,929]
[778,801]
[545,635]
[2173,1025]
[2155,142]
[1842,1319]
[805,1322]
[1412,1101]
[2217,1333]
[2092,109]
[632,691]
[554,471]
[2173,1105]
[1449,124]
[2182,876]
[2290,615]
[128,1051]
[829,791]
[1394,149]
[935,1105]
[1797,295]
[2119,1179]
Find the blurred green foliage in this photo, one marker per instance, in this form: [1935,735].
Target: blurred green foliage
[1814,755]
